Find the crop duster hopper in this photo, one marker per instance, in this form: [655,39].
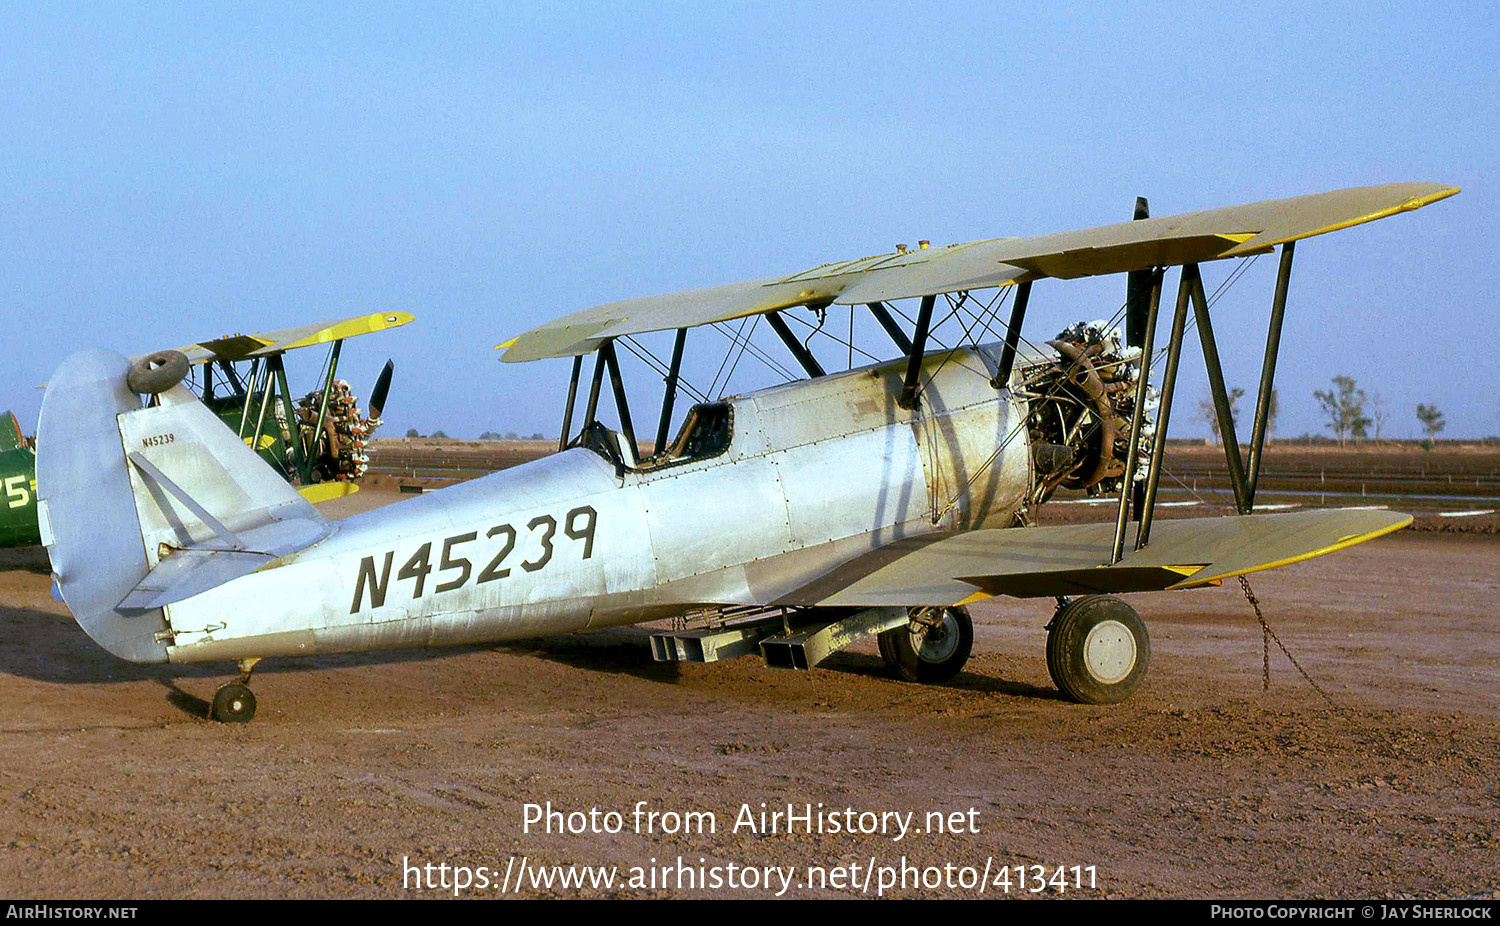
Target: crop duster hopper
[789,521]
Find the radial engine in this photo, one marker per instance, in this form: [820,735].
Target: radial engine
[1081,401]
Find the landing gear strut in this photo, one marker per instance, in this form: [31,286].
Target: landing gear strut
[1097,650]
[931,647]
[234,702]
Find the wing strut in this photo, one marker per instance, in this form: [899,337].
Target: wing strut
[303,456]
[1242,478]
[1225,415]
[670,397]
[333,366]
[1138,418]
[1268,370]
[798,349]
[1013,335]
[908,399]
[592,408]
[607,352]
[1168,386]
[264,386]
[567,425]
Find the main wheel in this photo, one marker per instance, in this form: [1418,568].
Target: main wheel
[929,654]
[157,372]
[233,703]
[1098,650]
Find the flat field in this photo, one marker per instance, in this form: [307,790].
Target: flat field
[1203,785]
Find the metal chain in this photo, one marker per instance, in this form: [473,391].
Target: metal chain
[1265,655]
[1268,633]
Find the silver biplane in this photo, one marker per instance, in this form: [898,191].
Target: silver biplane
[793,520]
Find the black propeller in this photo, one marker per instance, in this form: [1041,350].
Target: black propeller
[382,387]
[1137,302]
[1137,291]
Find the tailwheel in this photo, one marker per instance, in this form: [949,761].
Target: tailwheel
[1097,650]
[931,647]
[234,702]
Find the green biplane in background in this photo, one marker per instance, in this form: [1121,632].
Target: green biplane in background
[316,442]
[17,485]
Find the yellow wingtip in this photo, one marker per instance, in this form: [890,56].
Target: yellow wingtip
[1344,542]
[1415,202]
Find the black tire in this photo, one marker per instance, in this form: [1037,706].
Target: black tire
[233,703]
[1098,650]
[934,655]
[157,372]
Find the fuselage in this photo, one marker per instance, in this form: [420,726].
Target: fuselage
[813,474]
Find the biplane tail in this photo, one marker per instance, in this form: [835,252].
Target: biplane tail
[140,507]
[10,433]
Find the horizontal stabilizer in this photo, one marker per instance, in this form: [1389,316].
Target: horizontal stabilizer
[1073,559]
[189,571]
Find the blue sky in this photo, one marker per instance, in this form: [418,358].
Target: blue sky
[170,173]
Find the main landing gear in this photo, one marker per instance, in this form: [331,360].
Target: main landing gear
[1097,649]
[234,702]
[930,647]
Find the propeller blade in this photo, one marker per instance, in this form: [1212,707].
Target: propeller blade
[1137,290]
[1137,302]
[382,387]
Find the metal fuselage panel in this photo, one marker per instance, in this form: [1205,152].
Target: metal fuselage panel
[816,472]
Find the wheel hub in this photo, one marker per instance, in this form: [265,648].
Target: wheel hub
[939,642]
[1109,652]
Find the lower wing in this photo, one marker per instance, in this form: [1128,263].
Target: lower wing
[1074,559]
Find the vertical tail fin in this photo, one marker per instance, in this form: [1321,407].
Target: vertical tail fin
[140,507]
[10,432]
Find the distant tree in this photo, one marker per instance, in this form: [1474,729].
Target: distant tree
[1378,412]
[412,432]
[536,436]
[1209,413]
[1344,406]
[510,435]
[1432,421]
[489,435]
[440,435]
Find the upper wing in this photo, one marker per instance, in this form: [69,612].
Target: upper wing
[1071,559]
[245,346]
[1191,237]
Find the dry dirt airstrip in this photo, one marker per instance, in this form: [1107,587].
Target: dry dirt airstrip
[112,784]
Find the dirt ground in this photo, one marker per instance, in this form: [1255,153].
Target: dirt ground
[112,785]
